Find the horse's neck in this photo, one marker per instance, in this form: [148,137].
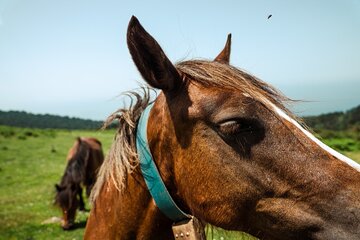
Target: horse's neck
[131,214]
[73,173]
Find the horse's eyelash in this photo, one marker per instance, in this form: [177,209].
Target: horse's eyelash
[230,127]
[229,123]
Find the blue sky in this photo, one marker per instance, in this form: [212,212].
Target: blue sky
[70,57]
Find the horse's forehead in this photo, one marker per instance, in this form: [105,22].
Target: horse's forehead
[210,100]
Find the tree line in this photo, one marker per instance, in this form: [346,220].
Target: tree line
[338,121]
[30,120]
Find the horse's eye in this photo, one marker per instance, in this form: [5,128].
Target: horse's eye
[234,127]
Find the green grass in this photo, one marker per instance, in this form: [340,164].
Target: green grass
[213,233]
[33,160]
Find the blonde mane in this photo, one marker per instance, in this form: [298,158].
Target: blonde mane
[122,157]
[212,73]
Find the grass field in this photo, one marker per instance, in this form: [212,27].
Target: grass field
[31,162]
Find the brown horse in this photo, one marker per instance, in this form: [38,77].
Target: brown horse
[229,153]
[83,162]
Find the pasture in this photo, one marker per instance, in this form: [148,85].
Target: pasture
[33,160]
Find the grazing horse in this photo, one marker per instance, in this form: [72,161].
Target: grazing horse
[83,162]
[229,153]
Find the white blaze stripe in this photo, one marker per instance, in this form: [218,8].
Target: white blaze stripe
[336,154]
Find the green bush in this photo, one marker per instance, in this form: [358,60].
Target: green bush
[7,132]
[31,134]
[343,144]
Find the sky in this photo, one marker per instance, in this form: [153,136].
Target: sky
[70,57]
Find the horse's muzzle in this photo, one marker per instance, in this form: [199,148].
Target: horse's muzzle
[67,226]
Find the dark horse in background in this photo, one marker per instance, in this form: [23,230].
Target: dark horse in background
[83,162]
[230,154]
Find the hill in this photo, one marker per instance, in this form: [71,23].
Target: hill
[29,120]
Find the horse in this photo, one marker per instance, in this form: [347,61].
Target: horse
[229,152]
[83,162]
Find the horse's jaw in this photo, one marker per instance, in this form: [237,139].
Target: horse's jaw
[283,218]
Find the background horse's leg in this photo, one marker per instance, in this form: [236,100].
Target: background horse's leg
[81,200]
[89,188]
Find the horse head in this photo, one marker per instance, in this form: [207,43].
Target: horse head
[66,199]
[232,154]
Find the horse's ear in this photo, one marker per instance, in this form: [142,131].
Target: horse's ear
[57,187]
[224,55]
[150,59]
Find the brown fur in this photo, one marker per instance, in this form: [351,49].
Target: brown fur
[227,158]
[83,162]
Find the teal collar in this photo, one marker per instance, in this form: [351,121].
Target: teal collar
[151,174]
